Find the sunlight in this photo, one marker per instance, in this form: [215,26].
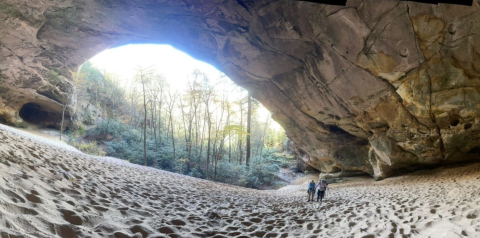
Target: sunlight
[176,66]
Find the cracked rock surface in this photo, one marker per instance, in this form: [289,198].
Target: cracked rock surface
[375,86]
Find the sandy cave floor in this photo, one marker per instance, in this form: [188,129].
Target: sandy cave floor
[112,198]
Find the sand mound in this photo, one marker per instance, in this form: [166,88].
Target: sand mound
[51,191]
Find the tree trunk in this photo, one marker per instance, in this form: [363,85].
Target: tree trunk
[240,141]
[160,124]
[209,125]
[144,124]
[189,140]
[173,138]
[168,127]
[196,135]
[229,137]
[220,152]
[262,139]
[153,122]
[184,125]
[217,150]
[63,120]
[190,126]
[160,118]
[208,145]
[203,136]
[249,119]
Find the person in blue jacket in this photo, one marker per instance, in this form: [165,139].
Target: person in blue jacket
[311,191]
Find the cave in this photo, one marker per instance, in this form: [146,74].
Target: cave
[361,64]
[42,116]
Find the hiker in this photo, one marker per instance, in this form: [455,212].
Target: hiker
[311,191]
[322,189]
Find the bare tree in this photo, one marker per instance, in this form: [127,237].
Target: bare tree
[172,97]
[157,87]
[240,138]
[249,119]
[144,77]
[207,96]
[133,97]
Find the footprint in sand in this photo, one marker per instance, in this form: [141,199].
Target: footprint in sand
[234,234]
[141,229]
[120,234]
[13,196]
[22,210]
[471,216]
[166,230]
[177,222]
[65,231]
[71,217]
[34,198]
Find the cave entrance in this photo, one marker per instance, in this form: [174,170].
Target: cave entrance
[177,67]
[42,116]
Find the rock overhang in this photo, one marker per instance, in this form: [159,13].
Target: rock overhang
[373,86]
[43,114]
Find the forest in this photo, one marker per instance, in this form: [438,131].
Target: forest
[210,128]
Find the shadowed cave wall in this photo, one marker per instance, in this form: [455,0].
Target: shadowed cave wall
[42,115]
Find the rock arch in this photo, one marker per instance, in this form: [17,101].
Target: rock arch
[363,87]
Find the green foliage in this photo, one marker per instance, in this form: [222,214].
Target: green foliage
[90,148]
[125,142]
[282,159]
[236,129]
[232,173]
[91,73]
[20,124]
[53,77]
[108,129]
[262,175]
[280,184]
[77,130]
[186,116]
[10,10]
[257,176]
[100,89]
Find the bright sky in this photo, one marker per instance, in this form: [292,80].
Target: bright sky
[175,65]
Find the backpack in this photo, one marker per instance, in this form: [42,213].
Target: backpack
[323,185]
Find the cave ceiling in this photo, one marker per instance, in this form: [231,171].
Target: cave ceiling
[374,86]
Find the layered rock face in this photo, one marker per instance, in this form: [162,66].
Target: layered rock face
[374,86]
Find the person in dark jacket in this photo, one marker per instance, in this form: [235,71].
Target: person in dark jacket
[322,189]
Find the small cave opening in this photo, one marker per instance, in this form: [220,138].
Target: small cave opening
[42,116]
[3,120]
[454,120]
[474,150]
[335,169]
